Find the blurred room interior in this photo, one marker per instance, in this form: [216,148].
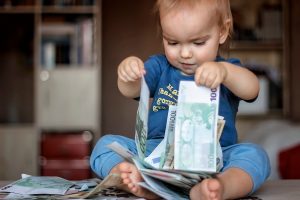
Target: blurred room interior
[58,77]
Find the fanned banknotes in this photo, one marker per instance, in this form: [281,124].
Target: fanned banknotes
[190,151]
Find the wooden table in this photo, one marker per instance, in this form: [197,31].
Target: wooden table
[3,183]
[279,190]
[271,190]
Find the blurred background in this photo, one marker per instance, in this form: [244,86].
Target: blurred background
[58,79]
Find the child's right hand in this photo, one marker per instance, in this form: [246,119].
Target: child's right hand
[131,69]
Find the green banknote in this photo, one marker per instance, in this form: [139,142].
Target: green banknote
[196,128]
[141,127]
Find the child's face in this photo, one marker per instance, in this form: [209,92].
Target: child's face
[191,36]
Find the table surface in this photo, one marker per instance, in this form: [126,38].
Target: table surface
[279,190]
[271,190]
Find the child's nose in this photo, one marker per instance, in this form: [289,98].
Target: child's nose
[185,52]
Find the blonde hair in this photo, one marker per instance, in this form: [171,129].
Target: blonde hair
[220,7]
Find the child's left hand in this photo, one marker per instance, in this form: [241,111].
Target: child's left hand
[210,74]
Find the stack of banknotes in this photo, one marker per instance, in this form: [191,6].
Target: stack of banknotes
[190,150]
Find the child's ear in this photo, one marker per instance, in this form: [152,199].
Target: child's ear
[224,33]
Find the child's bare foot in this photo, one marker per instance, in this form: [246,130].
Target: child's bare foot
[208,189]
[131,176]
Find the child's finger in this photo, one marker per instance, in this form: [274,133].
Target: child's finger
[202,78]
[210,80]
[216,83]
[137,67]
[124,76]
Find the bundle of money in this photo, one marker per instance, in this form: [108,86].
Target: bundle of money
[190,150]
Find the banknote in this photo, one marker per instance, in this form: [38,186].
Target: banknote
[39,185]
[196,128]
[167,161]
[162,156]
[157,155]
[158,187]
[220,126]
[141,126]
[112,180]
[169,177]
[125,153]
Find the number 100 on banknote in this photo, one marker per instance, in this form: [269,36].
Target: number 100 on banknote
[196,128]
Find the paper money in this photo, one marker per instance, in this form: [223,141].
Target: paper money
[154,159]
[141,127]
[167,161]
[190,151]
[112,180]
[39,185]
[125,153]
[196,128]
[169,177]
[220,126]
[158,187]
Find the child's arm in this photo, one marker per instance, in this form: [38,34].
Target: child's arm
[242,82]
[130,72]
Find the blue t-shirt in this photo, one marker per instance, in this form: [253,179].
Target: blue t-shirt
[163,81]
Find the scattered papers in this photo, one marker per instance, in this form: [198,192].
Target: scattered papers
[39,185]
[43,187]
[110,181]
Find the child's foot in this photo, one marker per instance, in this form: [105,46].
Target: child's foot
[208,189]
[131,176]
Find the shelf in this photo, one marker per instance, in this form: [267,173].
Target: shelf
[68,66]
[69,9]
[256,45]
[17,9]
[271,114]
[49,9]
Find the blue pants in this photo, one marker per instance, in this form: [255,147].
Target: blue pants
[249,157]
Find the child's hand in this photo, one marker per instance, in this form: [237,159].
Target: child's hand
[131,69]
[210,74]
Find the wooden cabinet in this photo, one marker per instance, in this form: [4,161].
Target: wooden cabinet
[18,151]
[293,48]
[50,76]
[66,154]
[68,99]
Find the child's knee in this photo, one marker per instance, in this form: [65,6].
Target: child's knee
[103,159]
[251,158]
[260,162]
[105,140]
[99,152]
[259,157]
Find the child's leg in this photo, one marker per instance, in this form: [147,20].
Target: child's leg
[246,167]
[103,159]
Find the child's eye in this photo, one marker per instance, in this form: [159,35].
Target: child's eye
[172,43]
[199,43]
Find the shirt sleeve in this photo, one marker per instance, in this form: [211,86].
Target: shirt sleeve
[154,67]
